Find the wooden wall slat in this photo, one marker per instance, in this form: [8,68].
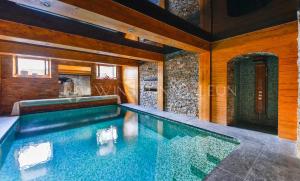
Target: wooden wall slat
[204,86]
[130,82]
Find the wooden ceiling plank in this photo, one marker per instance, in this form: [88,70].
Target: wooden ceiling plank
[112,15]
[14,48]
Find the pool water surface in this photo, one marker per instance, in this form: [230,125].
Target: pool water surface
[111,143]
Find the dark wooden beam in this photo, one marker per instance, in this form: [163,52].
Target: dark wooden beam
[11,31]
[14,48]
[112,15]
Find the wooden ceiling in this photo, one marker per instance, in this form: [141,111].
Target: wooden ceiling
[95,31]
[115,16]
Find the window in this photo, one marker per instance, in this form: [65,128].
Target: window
[32,67]
[106,72]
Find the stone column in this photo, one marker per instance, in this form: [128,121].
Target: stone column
[148,84]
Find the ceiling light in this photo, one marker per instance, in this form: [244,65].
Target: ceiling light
[46,3]
[130,30]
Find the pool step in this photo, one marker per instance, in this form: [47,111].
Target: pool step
[191,158]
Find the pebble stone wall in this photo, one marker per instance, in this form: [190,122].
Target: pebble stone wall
[181,83]
[180,71]
[148,79]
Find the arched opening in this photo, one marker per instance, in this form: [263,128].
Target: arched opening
[252,97]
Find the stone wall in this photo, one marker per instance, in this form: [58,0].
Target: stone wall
[180,71]
[181,68]
[181,83]
[148,84]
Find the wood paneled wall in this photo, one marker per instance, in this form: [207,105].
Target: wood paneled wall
[101,87]
[130,80]
[15,89]
[19,88]
[279,40]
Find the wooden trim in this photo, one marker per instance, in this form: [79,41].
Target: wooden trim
[16,68]
[71,69]
[160,86]
[204,86]
[12,48]
[112,15]
[260,35]
[17,32]
[130,36]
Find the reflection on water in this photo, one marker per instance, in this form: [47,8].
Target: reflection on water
[160,127]
[107,135]
[106,139]
[131,126]
[32,174]
[34,154]
[107,149]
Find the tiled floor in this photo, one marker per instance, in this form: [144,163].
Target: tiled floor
[260,156]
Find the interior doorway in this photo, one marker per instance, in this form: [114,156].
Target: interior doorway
[252,101]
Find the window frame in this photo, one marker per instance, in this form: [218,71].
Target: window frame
[47,70]
[98,72]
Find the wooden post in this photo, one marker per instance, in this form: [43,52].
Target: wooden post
[160,86]
[204,86]
[130,80]
[0,84]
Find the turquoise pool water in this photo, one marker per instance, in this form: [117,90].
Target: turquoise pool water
[111,143]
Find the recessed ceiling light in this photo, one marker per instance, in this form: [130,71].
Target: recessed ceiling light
[130,30]
[46,3]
